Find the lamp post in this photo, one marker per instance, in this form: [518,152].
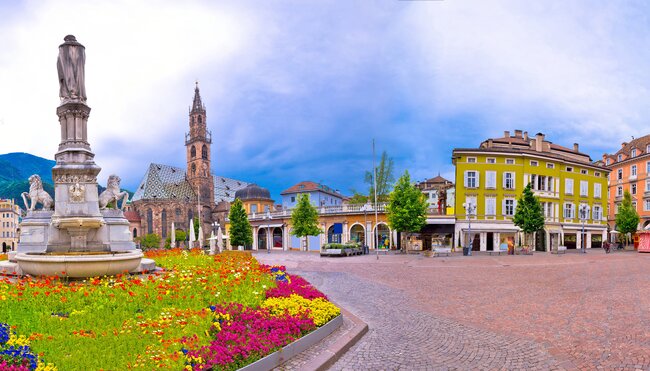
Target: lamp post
[584,211]
[469,210]
[267,217]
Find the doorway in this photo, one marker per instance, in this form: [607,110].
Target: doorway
[490,241]
[540,240]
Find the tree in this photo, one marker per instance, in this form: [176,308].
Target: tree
[627,219]
[150,241]
[304,218]
[528,214]
[385,179]
[358,198]
[407,208]
[241,233]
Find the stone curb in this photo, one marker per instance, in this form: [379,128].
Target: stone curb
[328,357]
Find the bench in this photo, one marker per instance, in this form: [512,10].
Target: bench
[503,248]
[441,250]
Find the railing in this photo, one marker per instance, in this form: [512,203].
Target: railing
[207,138]
[341,209]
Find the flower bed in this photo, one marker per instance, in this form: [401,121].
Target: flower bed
[203,312]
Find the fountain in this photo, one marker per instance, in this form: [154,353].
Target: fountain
[82,236]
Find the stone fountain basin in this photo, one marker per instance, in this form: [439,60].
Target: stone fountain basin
[79,264]
[78,222]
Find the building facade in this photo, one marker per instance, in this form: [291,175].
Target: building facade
[320,195]
[571,188]
[9,222]
[630,171]
[169,194]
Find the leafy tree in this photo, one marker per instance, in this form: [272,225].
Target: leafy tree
[407,208]
[385,179]
[627,219]
[180,235]
[304,218]
[358,198]
[528,214]
[150,241]
[241,233]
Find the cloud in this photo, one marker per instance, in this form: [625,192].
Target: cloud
[297,90]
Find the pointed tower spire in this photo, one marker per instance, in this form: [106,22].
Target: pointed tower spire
[197,105]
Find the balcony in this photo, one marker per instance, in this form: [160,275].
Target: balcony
[207,138]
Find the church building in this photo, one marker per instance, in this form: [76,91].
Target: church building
[169,194]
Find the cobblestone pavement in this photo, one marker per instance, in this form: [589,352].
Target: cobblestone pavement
[505,312]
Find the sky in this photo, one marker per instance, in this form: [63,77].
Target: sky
[297,90]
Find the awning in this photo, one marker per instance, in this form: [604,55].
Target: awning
[269,225]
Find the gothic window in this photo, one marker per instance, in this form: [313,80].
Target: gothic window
[193,152]
[190,216]
[200,120]
[193,169]
[149,221]
[204,152]
[135,232]
[164,223]
[179,212]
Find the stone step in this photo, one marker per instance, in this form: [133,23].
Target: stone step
[8,268]
[145,265]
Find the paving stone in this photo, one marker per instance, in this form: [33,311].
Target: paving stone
[504,312]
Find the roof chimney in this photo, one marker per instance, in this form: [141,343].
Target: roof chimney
[517,133]
[539,140]
[623,144]
[575,147]
[525,135]
[506,134]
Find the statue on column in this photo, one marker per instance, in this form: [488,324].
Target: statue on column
[70,65]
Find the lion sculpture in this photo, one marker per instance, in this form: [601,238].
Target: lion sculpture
[37,194]
[112,193]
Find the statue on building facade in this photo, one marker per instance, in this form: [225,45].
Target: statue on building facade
[70,65]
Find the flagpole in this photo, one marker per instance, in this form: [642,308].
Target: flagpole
[374,177]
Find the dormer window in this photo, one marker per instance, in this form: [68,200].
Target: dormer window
[620,157]
[633,153]
[647,149]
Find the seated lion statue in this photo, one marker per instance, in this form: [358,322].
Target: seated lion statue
[112,193]
[37,194]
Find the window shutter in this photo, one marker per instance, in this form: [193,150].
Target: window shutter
[513,183]
[478,184]
[503,207]
[465,179]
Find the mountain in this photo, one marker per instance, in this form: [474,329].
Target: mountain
[15,170]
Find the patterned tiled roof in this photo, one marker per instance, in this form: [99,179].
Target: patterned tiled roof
[225,188]
[164,182]
[169,182]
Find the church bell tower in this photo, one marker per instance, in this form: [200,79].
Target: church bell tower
[197,143]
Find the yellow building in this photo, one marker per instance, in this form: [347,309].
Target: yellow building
[571,188]
[9,214]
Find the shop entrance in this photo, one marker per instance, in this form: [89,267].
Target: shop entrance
[540,240]
[570,240]
[490,241]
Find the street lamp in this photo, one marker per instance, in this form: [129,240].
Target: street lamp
[470,208]
[584,212]
[267,217]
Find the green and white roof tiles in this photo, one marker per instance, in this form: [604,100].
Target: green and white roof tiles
[169,182]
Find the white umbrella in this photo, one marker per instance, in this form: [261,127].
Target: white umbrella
[172,242]
[213,245]
[200,236]
[219,239]
[192,236]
